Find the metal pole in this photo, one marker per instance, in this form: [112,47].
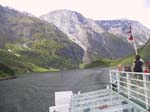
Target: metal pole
[110,78]
[128,86]
[145,92]
[133,40]
[118,82]
[135,47]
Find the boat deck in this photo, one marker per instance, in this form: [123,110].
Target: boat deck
[105,100]
[128,92]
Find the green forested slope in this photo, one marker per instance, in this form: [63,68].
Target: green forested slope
[30,44]
[144,52]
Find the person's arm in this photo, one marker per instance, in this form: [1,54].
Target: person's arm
[143,63]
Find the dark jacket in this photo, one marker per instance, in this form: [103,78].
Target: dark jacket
[138,66]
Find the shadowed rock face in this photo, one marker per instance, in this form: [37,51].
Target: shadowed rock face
[98,38]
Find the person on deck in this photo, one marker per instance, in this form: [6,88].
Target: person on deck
[120,68]
[138,63]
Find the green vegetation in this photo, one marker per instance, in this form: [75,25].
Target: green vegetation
[39,56]
[104,62]
[5,71]
[54,69]
[144,51]
[11,64]
[82,65]
[28,44]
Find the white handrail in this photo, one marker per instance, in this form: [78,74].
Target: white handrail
[137,98]
[123,79]
[140,73]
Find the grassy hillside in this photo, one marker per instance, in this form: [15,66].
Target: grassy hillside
[17,64]
[106,62]
[143,52]
[5,71]
[30,44]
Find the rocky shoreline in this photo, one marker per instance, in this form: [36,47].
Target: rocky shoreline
[7,78]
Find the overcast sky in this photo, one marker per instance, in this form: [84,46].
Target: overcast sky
[95,9]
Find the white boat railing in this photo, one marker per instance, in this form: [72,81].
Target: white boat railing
[105,100]
[133,85]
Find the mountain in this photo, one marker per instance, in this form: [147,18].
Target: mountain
[145,54]
[62,40]
[120,27]
[30,44]
[98,38]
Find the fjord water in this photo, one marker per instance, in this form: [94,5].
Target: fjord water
[35,92]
